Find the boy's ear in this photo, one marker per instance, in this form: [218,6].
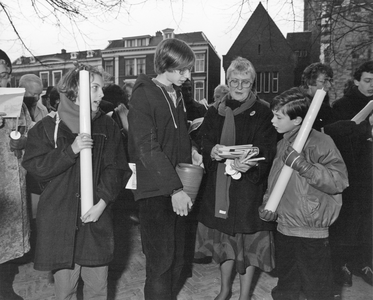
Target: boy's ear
[297,121]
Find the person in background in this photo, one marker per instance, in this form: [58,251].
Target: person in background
[34,87]
[158,142]
[127,87]
[53,156]
[351,235]
[219,92]
[14,212]
[51,99]
[194,109]
[310,203]
[315,77]
[229,223]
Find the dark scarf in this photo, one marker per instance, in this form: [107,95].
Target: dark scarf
[68,112]
[227,138]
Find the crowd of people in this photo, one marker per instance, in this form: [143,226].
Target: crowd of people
[320,234]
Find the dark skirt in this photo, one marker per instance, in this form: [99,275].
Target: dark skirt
[246,250]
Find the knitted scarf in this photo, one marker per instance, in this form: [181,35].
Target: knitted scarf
[227,138]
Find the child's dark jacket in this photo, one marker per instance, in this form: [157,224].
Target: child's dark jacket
[62,240]
[311,202]
[158,139]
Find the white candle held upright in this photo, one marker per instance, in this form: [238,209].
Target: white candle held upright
[300,140]
[86,178]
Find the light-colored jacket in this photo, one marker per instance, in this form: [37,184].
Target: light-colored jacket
[311,201]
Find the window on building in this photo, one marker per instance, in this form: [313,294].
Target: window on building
[199,90]
[140,64]
[44,76]
[168,35]
[266,82]
[200,62]
[141,42]
[73,55]
[109,67]
[56,76]
[90,53]
[259,82]
[129,67]
[274,82]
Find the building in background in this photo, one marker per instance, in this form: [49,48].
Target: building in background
[261,42]
[51,67]
[128,57]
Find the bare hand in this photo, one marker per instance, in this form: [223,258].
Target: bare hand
[242,167]
[215,152]
[197,158]
[181,203]
[94,213]
[82,141]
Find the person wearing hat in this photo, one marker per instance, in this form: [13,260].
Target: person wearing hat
[14,219]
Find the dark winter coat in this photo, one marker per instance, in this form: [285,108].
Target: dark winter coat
[350,104]
[62,239]
[253,126]
[158,139]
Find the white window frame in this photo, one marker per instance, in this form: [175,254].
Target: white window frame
[266,82]
[125,67]
[275,80]
[137,65]
[112,66]
[199,93]
[199,65]
[41,77]
[54,83]
[259,82]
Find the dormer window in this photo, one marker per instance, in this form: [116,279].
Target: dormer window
[19,61]
[90,53]
[73,55]
[32,60]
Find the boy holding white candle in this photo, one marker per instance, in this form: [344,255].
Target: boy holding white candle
[67,243]
[310,204]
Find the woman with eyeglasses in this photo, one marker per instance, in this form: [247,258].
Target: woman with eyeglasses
[315,77]
[229,222]
[14,219]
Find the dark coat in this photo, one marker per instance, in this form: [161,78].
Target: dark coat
[355,220]
[350,104]
[253,126]
[62,239]
[158,139]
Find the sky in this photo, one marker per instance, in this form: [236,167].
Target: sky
[220,20]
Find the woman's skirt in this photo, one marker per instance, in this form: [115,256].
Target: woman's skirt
[256,249]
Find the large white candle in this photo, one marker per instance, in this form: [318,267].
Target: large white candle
[300,140]
[86,178]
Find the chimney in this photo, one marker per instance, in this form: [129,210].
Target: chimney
[63,51]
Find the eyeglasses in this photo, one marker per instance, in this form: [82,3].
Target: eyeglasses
[326,80]
[244,83]
[4,75]
[184,71]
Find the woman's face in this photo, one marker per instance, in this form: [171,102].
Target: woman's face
[240,85]
[97,84]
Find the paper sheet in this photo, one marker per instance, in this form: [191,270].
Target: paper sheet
[11,101]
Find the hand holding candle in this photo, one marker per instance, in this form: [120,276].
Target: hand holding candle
[304,131]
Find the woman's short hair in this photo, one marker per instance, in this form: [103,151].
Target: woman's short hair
[241,65]
[115,94]
[69,83]
[173,54]
[312,72]
[293,102]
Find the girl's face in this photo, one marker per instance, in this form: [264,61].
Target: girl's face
[282,122]
[97,84]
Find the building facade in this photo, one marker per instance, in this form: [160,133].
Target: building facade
[261,42]
[125,59]
[128,57]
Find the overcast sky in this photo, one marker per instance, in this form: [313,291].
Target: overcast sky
[220,20]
